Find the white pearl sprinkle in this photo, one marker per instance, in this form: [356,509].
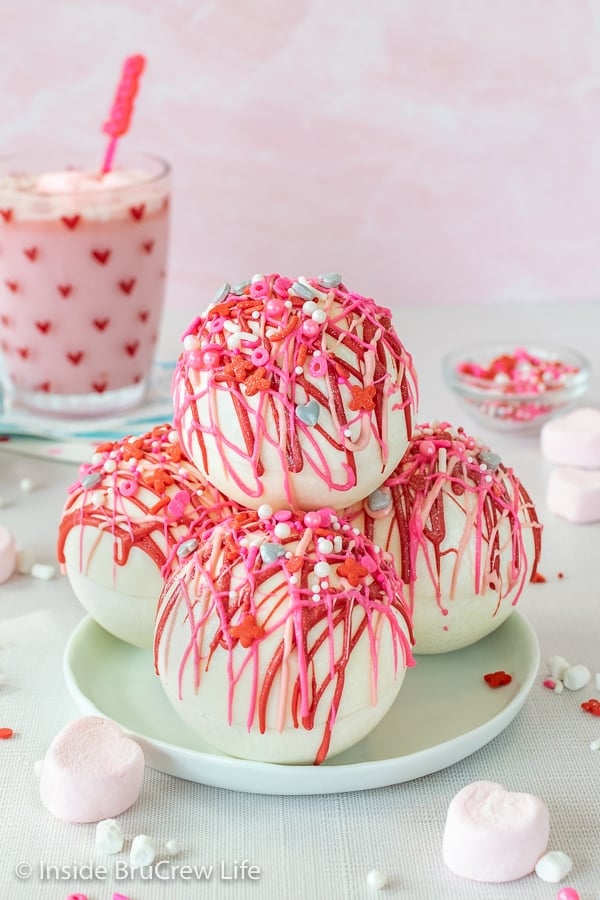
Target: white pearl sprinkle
[293,579]
[319,316]
[288,304]
[282,530]
[256,314]
[316,589]
[110,465]
[337,543]
[317,353]
[27,485]
[190,342]
[308,307]
[97,458]
[324,545]
[98,498]
[376,880]
[264,511]
[322,569]
[298,370]
[173,847]
[347,432]
[172,437]
[233,340]
[488,478]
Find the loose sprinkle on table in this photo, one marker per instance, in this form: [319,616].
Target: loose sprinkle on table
[6,733]
[592,707]
[497,679]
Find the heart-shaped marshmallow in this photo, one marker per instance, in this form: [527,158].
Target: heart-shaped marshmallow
[573,439]
[494,835]
[574,494]
[91,771]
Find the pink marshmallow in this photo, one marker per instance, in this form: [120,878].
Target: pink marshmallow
[92,771]
[494,835]
[8,554]
[573,439]
[574,494]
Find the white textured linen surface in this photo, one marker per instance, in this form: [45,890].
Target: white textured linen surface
[318,846]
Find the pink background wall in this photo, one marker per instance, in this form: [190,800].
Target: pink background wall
[431,151]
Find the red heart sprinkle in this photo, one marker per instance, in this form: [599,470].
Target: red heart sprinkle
[497,679]
[148,246]
[137,211]
[132,348]
[31,253]
[44,386]
[44,327]
[101,323]
[101,256]
[6,214]
[75,358]
[23,352]
[64,289]
[12,285]
[143,315]
[71,221]
[99,386]
[591,706]
[127,286]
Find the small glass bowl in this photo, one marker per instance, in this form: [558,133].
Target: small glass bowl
[516,387]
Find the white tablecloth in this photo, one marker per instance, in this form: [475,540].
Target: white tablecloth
[316,846]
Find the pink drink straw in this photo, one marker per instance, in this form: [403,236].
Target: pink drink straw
[122,108]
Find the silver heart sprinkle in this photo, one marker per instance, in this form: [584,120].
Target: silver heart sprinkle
[330,279]
[301,290]
[270,551]
[490,459]
[239,289]
[379,499]
[187,547]
[222,292]
[91,480]
[309,413]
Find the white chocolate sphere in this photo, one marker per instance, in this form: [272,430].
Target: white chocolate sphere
[263,666]
[283,400]
[120,525]
[463,532]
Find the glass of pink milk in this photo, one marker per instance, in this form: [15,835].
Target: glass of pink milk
[82,279]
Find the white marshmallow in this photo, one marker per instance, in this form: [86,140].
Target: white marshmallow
[573,439]
[574,494]
[576,677]
[553,866]
[109,836]
[42,571]
[143,851]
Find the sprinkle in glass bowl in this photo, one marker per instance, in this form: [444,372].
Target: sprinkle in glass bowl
[516,386]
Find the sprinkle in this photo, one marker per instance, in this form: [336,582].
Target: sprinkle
[282,530]
[497,679]
[595,745]
[222,293]
[247,631]
[173,847]
[301,290]
[376,880]
[27,485]
[319,316]
[491,460]
[352,570]
[191,342]
[271,551]
[43,571]
[309,413]
[97,458]
[186,548]
[553,684]
[240,288]
[322,569]
[330,279]
[568,893]
[312,519]
[264,511]
[592,707]
[308,307]
[324,545]
[298,370]
[110,465]
[6,733]
[363,398]
[380,499]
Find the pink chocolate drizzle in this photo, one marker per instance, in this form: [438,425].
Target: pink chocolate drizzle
[151,465]
[277,596]
[444,466]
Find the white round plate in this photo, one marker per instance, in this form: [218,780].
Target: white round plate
[444,712]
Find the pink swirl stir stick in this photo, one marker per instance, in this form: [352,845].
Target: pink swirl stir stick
[121,111]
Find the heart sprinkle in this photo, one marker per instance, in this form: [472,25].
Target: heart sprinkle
[497,679]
